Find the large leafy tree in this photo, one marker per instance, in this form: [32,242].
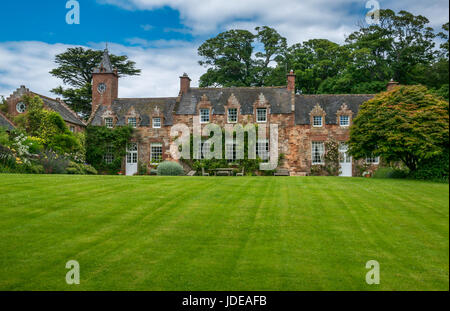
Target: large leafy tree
[75,67]
[241,58]
[408,124]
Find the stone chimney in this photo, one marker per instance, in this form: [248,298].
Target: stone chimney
[291,81]
[185,84]
[391,84]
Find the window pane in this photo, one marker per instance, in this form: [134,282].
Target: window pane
[204,115]
[261,115]
[318,151]
[232,115]
[345,120]
[132,122]
[317,121]
[157,123]
[109,122]
[262,149]
[373,160]
[156,153]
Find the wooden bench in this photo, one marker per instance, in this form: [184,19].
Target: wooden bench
[282,172]
[191,173]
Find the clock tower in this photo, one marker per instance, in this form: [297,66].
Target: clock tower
[105,83]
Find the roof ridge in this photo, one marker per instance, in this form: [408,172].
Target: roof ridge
[92,115]
[62,104]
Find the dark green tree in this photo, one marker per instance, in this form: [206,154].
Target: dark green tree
[241,58]
[75,67]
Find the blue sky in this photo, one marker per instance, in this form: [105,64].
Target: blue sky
[162,36]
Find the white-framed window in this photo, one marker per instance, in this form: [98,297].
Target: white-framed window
[262,149]
[109,123]
[344,120]
[373,160]
[72,129]
[261,115]
[156,123]
[317,152]
[232,115]
[156,153]
[109,155]
[230,152]
[204,115]
[317,121]
[203,149]
[132,122]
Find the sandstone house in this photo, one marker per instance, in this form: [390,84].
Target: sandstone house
[305,122]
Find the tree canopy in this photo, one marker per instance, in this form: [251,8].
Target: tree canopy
[401,47]
[75,67]
[407,124]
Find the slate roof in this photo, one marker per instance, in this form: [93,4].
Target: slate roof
[279,99]
[66,113]
[105,65]
[144,107]
[330,103]
[4,122]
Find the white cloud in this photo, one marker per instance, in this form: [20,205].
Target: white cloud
[296,20]
[29,63]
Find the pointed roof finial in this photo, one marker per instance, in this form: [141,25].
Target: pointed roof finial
[105,65]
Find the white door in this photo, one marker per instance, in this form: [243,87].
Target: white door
[132,159]
[345,160]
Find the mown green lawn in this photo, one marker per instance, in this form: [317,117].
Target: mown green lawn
[199,233]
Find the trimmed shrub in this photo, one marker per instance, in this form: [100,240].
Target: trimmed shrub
[170,169]
[389,172]
[80,169]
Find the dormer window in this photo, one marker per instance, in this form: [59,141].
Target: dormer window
[232,115]
[132,122]
[317,121]
[261,115]
[156,123]
[344,121]
[109,123]
[204,115]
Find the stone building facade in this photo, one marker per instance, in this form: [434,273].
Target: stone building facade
[305,122]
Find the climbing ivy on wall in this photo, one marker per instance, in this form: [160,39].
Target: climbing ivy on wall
[101,140]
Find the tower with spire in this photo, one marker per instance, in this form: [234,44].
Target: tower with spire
[105,83]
